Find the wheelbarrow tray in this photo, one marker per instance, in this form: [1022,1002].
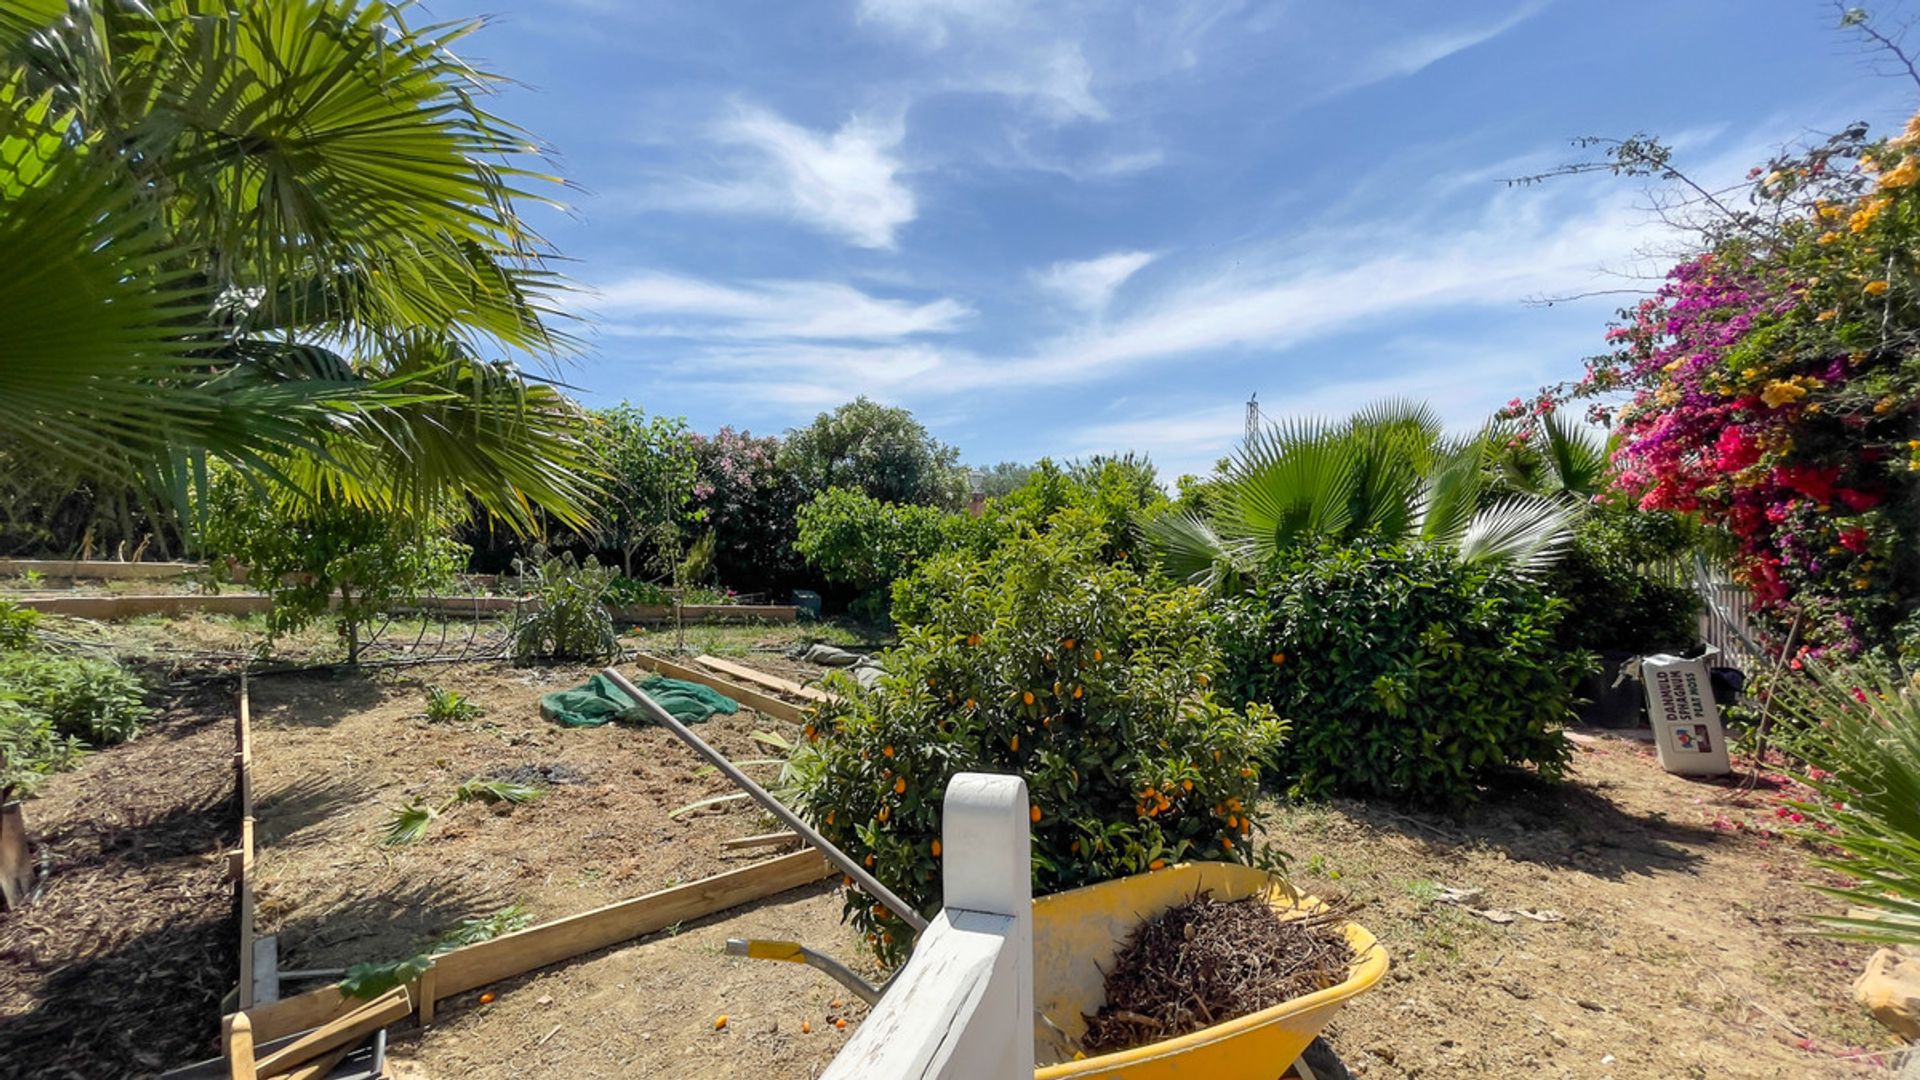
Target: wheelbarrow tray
[1077,934]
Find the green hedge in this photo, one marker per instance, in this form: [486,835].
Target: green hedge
[1405,674]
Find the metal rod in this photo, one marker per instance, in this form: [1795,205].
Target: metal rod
[795,953]
[774,806]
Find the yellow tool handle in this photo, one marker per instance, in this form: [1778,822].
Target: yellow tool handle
[790,951]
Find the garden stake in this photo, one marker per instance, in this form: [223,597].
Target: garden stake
[774,806]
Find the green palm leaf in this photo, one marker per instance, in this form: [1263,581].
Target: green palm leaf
[1524,532]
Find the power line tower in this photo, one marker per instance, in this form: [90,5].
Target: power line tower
[1253,415]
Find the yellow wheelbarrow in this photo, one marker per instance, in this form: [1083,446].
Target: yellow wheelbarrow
[1076,935]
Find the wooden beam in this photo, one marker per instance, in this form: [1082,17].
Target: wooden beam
[429,993]
[752,699]
[240,1065]
[472,966]
[772,839]
[390,1007]
[319,1067]
[761,678]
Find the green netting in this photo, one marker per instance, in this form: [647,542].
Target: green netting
[600,701]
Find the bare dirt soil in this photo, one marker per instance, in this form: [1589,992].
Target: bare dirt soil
[1681,949]
[1672,937]
[119,968]
[333,755]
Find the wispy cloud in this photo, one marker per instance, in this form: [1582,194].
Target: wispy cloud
[671,305]
[1412,55]
[846,183]
[1090,283]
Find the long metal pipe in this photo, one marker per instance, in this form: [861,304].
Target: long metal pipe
[774,806]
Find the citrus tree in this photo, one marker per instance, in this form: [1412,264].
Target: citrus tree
[1040,660]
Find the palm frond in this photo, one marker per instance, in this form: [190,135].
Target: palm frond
[1450,494]
[1524,532]
[497,791]
[406,824]
[1292,482]
[1576,456]
[1189,550]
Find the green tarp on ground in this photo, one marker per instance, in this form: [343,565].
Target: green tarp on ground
[599,701]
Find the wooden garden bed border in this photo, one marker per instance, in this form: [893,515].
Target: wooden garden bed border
[473,966]
[761,678]
[129,605]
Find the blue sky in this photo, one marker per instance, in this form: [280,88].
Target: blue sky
[1074,227]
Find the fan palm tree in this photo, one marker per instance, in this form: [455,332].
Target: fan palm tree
[1386,474]
[277,232]
[1567,460]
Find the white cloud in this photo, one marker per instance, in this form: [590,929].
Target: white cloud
[1090,283]
[1413,55]
[692,307]
[846,183]
[933,20]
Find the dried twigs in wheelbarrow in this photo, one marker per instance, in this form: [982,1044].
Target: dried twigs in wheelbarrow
[1208,961]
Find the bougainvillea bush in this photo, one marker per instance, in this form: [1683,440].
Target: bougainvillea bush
[1081,676]
[1403,672]
[747,502]
[1772,389]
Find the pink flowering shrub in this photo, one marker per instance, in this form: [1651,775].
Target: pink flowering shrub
[1771,387]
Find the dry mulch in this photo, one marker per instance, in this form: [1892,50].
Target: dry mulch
[1207,961]
[119,967]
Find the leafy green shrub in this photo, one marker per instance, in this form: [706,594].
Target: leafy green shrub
[31,750]
[307,554]
[96,701]
[446,706]
[860,542]
[633,592]
[1119,494]
[1613,602]
[1078,675]
[568,617]
[17,625]
[1404,672]
[1859,731]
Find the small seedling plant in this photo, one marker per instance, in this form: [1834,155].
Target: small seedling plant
[446,706]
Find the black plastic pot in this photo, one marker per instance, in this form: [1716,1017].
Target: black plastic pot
[1610,706]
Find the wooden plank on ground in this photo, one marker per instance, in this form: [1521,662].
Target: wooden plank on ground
[473,966]
[512,954]
[772,839]
[761,678]
[389,1008]
[752,699]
